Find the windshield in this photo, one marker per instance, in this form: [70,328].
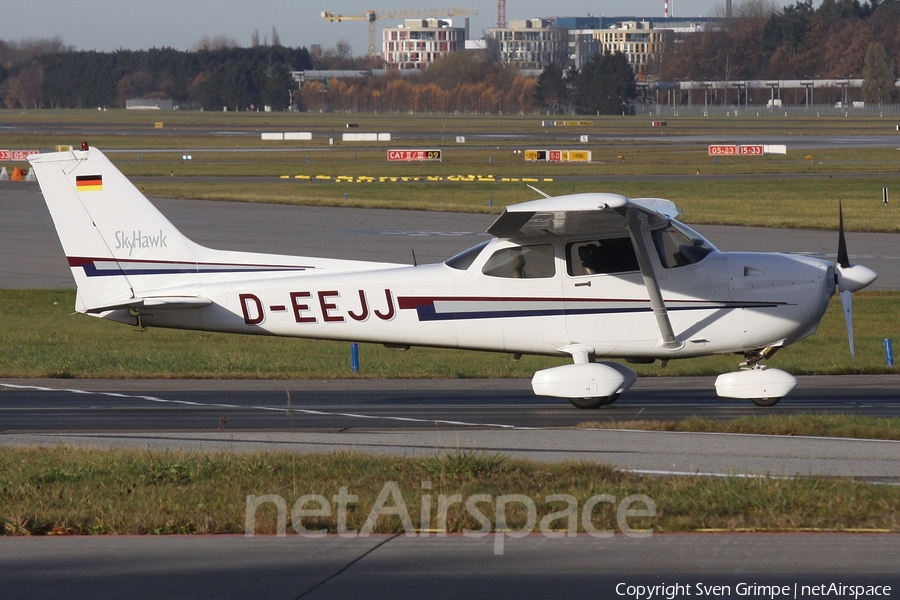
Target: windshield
[679,246]
[464,259]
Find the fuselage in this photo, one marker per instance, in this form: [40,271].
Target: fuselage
[527,298]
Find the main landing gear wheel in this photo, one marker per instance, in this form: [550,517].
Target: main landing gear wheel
[765,401]
[592,403]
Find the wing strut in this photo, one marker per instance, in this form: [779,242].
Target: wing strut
[638,229]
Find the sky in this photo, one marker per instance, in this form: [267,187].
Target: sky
[107,25]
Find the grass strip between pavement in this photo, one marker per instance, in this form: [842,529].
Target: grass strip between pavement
[65,490]
[824,425]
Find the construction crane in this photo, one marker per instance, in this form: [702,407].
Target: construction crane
[405,13]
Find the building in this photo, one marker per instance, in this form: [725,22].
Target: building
[583,46]
[530,44]
[534,41]
[637,40]
[419,42]
[149,104]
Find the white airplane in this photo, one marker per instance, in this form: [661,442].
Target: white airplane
[593,276]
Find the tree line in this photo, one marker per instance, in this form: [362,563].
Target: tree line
[841,39]
[464,82]
[46,74]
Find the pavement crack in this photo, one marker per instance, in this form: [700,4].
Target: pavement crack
[347,566]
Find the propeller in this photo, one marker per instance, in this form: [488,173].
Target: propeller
[848,279]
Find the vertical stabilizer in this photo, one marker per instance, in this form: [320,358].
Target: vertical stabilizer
[110,232]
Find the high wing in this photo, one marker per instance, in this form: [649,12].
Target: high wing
[578,214]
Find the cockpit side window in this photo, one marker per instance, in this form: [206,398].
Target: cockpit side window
[464,259]
[677,249]
[521,262]
[592,257]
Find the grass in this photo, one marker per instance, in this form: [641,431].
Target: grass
[830,425]
[608,159]
[799,189]
[64,490]
[42,338]
[792,203]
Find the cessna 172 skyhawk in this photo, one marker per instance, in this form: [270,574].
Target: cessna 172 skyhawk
[594,276]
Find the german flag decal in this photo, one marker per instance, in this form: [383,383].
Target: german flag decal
[89,183]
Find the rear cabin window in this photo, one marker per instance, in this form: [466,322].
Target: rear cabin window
[595,257]
[521,262]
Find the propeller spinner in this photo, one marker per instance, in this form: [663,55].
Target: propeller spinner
[848,279]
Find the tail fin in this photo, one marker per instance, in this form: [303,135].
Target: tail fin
[124,253]
[109,231]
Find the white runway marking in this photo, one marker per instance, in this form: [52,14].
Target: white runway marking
[266,408]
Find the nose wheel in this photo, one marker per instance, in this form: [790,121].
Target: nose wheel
[592,403]
[762,385]
[765,401]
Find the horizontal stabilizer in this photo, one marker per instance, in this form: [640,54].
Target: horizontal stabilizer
[157,302]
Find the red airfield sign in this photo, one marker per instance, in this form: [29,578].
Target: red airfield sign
[413,155]
[722,150]
[22,154]
[733,150]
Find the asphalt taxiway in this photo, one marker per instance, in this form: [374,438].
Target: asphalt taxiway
[401,567]
[419,417]
[365,404]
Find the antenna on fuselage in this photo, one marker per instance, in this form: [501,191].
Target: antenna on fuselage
[415,262]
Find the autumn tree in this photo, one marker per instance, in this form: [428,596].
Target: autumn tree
[519,97]
[458,68]
[134,85]
[878,75]
[23,90]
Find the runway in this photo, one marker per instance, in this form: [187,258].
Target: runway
[859,137]
[365,404]
[428,416]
